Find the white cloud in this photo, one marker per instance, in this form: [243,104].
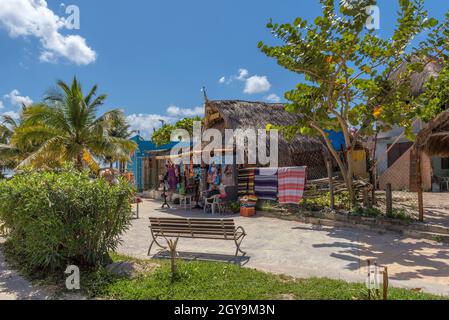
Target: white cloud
[145,123]
[253,84]
[243,74]
[33,18]
[1,105]
[177,112]
[16,99]
[12,114]
[273,98]
[257,84]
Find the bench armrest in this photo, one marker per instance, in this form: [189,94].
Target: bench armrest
[242,232]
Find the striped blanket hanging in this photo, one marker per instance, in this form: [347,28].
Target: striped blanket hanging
[291,181]
[266,183]
[246,181]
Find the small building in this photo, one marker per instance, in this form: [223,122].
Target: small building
[144,165]
[396,161]
[433,140]
[301,150]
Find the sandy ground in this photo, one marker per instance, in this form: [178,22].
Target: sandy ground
[13,286]
[303,250]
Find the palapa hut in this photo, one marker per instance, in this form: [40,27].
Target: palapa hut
[433,139]
[299,151]
[397,163]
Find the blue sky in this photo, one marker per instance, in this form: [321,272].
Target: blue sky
[152,57]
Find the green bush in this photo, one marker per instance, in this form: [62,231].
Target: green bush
[52,220]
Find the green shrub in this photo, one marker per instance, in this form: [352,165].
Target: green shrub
[52,220]
[234,206]
[367,212]
[400,214]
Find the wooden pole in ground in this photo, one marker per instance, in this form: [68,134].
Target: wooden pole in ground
[419,184]
[385,283]
[331,183]
[388,199]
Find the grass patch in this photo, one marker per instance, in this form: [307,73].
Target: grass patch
[199,280]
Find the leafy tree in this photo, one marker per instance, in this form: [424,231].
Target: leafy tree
[162,135]
[436,95]
[351,75]
[67,128]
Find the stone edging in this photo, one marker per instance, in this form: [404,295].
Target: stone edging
[409,229]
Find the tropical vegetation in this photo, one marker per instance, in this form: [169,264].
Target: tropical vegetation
[352,83]
[63,128]
[54,219]
[163,135]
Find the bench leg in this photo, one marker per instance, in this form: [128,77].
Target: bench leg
[154,242]
[238,244]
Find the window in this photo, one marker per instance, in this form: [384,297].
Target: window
[397,151]
[445,163]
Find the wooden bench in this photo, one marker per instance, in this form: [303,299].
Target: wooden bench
[196,228]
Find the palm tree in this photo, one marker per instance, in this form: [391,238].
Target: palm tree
[11,155]
[68,129]
[119,128]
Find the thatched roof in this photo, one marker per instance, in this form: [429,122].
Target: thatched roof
[237,114]
[434,137]
[432,68]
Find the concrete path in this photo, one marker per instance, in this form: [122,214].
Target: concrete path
[303,250]
[14,287]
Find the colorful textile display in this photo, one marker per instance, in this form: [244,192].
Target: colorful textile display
[266,183]
[246,181]
[248,202]
[291,182]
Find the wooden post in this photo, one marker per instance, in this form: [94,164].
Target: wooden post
[389,199]
[331,183]
[366,201]
[419,184]
[385,283]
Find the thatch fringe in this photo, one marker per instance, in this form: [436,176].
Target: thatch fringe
[433,139]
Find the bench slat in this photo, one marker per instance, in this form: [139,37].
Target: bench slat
[223,229]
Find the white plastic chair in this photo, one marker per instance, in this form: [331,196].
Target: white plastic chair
[212,203]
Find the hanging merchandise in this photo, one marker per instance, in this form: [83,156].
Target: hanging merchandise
[246,181]
[191,168]
[227,176]
[266,183]
[172,180]
[291,183]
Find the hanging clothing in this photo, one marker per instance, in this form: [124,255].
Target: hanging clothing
[172,180]
[191,168]
[266,183]
[227,176]
[291,183]
[246,181]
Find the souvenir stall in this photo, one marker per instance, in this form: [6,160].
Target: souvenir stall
[283,185]
[179,181]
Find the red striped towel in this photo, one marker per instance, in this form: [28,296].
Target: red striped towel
[291,182]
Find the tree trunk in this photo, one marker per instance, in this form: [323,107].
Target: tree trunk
[346,171]
[79,161]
